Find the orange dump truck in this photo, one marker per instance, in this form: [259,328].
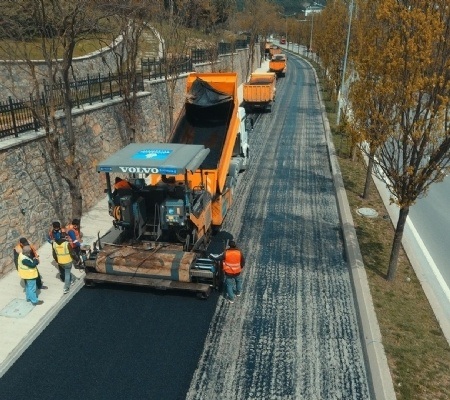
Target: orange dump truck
[278,64]
[259,92]
[179,192]
[273,50]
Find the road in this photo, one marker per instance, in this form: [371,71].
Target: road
[431,217]
[292,335]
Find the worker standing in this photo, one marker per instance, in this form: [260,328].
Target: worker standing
[233,262]
[74,237]
[63,255]
[28,272]
[18,249]
[55,232]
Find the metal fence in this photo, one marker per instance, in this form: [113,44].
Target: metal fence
[17,116]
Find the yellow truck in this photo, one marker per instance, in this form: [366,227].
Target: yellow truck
[259,92]
[179,193]
[278,64]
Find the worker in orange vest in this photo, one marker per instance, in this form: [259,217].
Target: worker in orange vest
[55,232]
[233,261]
[75,238]
[18,249]
[121,184]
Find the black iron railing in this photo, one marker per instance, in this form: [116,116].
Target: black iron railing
[17,116]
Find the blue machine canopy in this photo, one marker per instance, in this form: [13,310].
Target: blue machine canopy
[155,158]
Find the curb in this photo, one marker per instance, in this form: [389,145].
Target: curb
[40,326]
[380,380]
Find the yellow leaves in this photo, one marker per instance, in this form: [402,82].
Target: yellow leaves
[410,170]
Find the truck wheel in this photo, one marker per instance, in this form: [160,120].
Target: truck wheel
[88,283]
[202,296]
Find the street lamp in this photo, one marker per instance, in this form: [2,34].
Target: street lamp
[312,27]
[341,90]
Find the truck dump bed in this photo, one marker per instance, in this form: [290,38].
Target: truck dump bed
[278,64]
[205,120]
[259,92]
[209,117]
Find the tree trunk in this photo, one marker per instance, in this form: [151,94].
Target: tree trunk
[368,174]
[354,152]
[77,198]
[397,243]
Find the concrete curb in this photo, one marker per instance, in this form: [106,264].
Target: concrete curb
[40,326]
[380,379]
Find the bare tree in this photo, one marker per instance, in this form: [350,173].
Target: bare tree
[58,27]
[130,19]
[257,20]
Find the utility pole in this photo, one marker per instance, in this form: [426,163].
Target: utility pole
[311,37]
[286,16]
[347,45]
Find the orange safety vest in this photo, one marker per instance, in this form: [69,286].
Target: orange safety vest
[70,227]
[232,262]
[123,184]
[19,248]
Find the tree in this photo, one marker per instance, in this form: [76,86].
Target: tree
[130,17]
[171,23]
[256,20]
[329,43]
[370,95]
[409,90]
[58,26]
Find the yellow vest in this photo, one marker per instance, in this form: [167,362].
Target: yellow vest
[62,252]
[26,272]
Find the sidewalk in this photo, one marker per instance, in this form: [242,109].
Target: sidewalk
[20,321]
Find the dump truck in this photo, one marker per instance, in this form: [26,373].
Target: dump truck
[273,50]
[278,64]
[178,194]
[259,92]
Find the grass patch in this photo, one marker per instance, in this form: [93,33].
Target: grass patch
[417,351]
[15,50]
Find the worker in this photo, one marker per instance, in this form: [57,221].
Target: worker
[74,237]
[28,272]
[121,184]
[233,262]
[18,249]
[121,188]
[63,254]
[55,231]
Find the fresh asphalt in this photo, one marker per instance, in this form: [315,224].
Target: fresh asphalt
[134,329]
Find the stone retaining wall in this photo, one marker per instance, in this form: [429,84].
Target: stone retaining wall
[16,79]
[32,195]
